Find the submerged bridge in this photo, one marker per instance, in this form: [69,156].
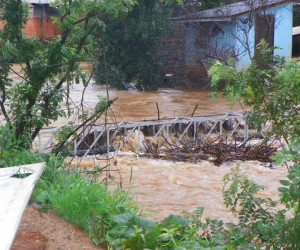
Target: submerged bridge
[90,138]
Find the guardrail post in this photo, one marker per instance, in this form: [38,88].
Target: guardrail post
[195,131]
[40,143]
[246,129]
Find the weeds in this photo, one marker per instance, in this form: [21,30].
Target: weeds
[18,156]
[82,202]
[10,152]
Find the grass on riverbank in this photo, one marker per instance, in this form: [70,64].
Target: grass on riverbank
[82,202]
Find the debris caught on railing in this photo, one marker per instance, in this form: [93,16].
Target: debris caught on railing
[217,151]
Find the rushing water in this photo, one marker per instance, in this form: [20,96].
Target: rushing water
[161,187]
[134,105]
[164,187]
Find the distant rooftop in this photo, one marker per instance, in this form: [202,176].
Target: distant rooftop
[39,1]
[227,12]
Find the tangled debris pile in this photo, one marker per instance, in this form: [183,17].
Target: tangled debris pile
[216,151]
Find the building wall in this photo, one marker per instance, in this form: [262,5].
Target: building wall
[173,54]
[224,42]
[42,28]
[282,35]
[206,42]
[38,25]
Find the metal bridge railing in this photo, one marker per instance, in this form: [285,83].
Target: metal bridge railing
[183,126]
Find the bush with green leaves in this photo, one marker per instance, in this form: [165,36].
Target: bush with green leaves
[174,232]
[269,87]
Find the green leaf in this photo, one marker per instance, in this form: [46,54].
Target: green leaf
[285,182]
[177,220]
[282,189]
[122,219]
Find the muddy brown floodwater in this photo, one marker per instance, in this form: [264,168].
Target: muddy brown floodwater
[161,187]
[134,105]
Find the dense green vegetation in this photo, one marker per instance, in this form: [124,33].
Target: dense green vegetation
[130,52]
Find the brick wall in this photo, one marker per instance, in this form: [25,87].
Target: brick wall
[42,28]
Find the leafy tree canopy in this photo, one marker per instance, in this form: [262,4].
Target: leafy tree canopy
[269,87]
[131,47]
[47,66]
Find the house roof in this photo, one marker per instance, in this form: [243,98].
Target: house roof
[39,1]
[228,12]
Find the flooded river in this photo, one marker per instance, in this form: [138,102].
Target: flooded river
[134,105]
[165,187]
[162,187]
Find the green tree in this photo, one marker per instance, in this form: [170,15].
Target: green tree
[204,5]
[48,67]
[190,6]
[131,47]
[270,88]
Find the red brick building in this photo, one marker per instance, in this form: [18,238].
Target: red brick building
[39,22]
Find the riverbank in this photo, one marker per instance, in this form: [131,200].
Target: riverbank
[48,231]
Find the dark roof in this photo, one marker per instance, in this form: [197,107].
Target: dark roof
[39,1]
[228,12]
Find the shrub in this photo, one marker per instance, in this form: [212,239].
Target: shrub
[271,92]
[270,87]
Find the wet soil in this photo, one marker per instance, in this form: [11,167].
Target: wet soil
[48,231]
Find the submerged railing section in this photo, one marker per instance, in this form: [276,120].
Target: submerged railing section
[91,138]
